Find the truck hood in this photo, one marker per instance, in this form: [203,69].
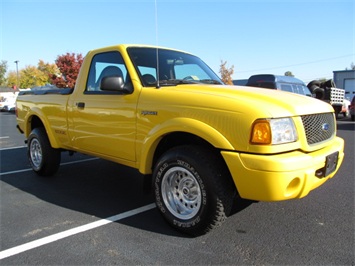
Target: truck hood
[224,115]
[271,103]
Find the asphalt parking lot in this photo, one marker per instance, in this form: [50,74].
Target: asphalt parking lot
[95,212]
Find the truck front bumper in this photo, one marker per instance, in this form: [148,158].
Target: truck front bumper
[283,176]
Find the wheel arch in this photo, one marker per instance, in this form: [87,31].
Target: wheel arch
[181,131]
[35,120]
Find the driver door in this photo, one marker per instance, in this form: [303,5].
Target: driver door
[103,123]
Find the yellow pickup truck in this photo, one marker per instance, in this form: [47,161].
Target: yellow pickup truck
[203,144]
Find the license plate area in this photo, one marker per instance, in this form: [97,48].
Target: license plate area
[331,162]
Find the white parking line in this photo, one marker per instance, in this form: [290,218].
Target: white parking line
[49,239]
[30,169]
[12,148]
[52,238]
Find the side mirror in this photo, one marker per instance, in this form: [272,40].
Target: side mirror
[115,83]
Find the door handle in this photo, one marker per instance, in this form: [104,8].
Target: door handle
[80,105]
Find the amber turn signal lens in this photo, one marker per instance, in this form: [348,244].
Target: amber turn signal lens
[261,132]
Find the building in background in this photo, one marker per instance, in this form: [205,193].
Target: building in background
[345,79]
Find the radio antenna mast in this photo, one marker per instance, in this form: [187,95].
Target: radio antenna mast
[156,41]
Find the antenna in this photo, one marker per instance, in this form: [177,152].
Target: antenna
[156,41]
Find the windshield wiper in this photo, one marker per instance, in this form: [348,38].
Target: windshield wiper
[210,81]
[174,82]
[167,82]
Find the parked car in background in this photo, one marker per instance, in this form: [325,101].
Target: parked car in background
[322,90]
[9,108]
[327,92]
[7,104]
[351,109]
[276,82]
[345,109]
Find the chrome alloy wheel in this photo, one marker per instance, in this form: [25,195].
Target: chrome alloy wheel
[181,193]
[36,153]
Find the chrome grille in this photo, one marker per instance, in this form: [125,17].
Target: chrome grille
[318,127]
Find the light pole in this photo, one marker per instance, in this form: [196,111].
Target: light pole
[16,62]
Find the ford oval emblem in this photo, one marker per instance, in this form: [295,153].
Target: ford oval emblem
[325,127]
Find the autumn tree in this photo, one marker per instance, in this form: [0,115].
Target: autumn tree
[32,76]
[11,79]
[69,65]
[3,69]
[48,69]
[226,73]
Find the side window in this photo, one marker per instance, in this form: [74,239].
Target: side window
[286,87]
[147,70]
[268,85]
[304,90]
[149,75]
[296,89]
[105,65]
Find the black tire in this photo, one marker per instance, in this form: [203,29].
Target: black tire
[44,160]
[313,88]
[193,189]
[313,85]
[329,84]
[319,92]
[352,117]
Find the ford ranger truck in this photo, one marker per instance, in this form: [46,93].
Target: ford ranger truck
[203,144]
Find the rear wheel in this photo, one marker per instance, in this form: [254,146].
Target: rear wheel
[44,160]
[193,189]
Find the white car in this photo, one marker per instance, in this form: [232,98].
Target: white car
[7,104]
[345,109]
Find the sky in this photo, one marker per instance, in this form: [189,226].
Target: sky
[309,38]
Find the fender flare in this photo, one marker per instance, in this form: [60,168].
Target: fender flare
[180,124]
[37,112]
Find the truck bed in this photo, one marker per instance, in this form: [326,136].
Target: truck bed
[65,91]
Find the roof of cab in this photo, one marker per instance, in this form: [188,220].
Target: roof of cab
[274,78]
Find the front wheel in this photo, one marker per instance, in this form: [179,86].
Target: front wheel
[44,160]
[193,189]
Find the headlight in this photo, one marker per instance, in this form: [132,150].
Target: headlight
[273,131]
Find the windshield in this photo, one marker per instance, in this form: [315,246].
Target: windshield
[174,67]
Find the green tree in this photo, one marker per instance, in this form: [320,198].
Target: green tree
[48,69]
[3,69]
[11,79]
[31,76]
[289,73]
[226,73]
